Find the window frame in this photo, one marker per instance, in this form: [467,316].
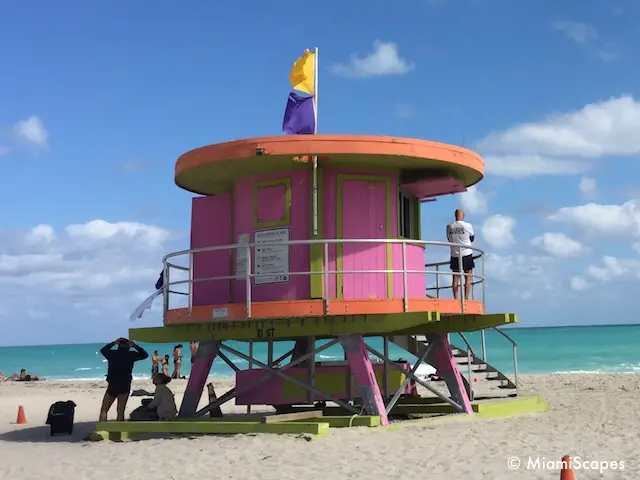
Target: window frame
[405,199]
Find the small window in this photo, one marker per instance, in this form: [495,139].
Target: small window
[407,216]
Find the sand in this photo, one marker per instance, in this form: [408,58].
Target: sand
[594,417]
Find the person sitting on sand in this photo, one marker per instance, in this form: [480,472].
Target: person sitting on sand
[119,374]
[155,361]
[165,365]
[25,377]
[163,403]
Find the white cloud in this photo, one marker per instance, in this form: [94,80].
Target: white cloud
[579,283]
[558,245]
[520,166]
[576,31]
[612,269]
[87,278]
[588,187]
[524,274]
[474,201]
[384,60]
[619,221]
[565,143]
[32,130]
[497,231]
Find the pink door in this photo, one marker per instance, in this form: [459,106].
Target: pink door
[363,217]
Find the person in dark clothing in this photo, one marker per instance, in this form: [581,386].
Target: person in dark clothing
[119,374]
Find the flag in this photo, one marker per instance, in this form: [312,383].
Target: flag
[302,74]
[160,282]
[299,117]
[145,305]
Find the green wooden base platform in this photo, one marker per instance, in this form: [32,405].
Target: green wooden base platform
[319,426]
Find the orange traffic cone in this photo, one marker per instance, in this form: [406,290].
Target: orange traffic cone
[22,418]
[566,473]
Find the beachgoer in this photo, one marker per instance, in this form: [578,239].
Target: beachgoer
[163,402]
[461,233]
[177,361]
[165,365]
[155,360]
[194,350]
[25,377]
[119,374]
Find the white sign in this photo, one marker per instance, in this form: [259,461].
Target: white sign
[241,254]
[220,312]
[272,260]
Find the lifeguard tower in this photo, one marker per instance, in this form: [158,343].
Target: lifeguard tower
[285,249]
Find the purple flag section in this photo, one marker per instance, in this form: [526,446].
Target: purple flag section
[299,118]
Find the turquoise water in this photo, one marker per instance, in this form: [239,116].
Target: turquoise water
[596,349]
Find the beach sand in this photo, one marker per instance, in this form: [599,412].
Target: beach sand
[594,417]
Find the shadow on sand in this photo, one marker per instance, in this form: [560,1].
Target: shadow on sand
[41,434]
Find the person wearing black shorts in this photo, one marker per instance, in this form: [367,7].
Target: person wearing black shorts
[119,374]
[462,235]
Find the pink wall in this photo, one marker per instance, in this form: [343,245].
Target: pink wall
[298,287]
[211,222]
[415,254]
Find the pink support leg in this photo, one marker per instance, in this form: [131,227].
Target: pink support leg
[200,369]
[360,366]
[444,362]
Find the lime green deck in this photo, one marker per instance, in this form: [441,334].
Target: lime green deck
[319,427]
[322,327]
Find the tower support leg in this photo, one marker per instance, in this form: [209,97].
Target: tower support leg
[360,365]
[442,359]
[200,369]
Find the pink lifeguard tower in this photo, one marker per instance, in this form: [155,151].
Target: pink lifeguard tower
[283,248]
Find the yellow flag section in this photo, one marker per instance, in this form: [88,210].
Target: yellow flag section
[302,74]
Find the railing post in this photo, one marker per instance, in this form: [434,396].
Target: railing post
[484,346]
[405,296]
[462,279]
[515,366]
[469,374]
[484,294]
[250,368]
[325,277]
[190,289]
[247,274]
[437,281]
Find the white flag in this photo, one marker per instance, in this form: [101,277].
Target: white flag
[145,305]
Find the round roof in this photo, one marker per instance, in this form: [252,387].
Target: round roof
[213,169]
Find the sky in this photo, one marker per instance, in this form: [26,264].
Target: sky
[99,99]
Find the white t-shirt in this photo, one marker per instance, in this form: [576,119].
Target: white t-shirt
[462,233]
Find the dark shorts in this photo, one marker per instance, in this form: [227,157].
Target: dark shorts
[115,389]
[467,263]
[154,370]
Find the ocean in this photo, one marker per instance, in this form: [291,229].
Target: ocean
[593,349]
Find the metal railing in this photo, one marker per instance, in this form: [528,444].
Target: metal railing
[248,272]
[514,346]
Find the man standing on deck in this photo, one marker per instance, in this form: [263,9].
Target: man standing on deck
[461,233]
[119,374]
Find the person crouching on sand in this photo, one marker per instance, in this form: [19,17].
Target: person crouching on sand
[163,403]
[119,374]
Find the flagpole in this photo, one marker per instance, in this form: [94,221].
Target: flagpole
[314,199]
